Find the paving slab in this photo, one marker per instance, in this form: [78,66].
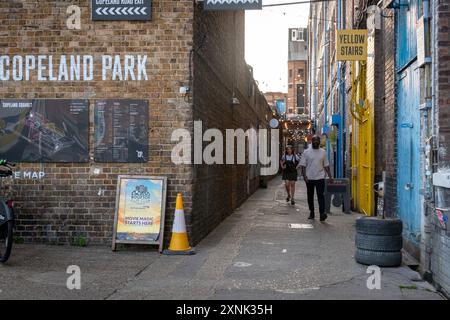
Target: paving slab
[267,249]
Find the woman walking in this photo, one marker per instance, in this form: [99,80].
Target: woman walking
[290,163]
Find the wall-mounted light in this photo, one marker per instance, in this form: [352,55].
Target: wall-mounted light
[235,101]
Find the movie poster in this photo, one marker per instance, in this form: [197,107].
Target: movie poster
[140,209]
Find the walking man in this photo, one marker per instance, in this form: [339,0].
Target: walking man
[314,164]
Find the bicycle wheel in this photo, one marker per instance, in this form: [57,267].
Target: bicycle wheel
[6,241]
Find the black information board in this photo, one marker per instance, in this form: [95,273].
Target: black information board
[44,130]
[121,131]
[119,10]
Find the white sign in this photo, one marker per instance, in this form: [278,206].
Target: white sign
[120,10]
[274,123]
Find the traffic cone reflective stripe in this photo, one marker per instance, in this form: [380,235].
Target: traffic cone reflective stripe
[179,240]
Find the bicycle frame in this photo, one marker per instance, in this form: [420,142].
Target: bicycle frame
[6,212]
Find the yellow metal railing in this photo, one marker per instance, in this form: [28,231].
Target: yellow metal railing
[363,145]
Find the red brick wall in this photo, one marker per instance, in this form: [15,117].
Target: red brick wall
[219,71]
[66,204]
[386,126]
[293,67]
[439,247]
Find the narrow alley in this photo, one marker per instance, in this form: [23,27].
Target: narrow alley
[267,249]
[172,150]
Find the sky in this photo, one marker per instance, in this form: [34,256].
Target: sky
[266,42]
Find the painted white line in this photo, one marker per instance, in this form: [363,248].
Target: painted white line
[300,226]
[242,264]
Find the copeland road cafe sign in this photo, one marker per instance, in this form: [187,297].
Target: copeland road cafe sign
[120,10]
[351,45]
[232,4]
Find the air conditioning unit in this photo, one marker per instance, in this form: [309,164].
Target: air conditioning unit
[294,35]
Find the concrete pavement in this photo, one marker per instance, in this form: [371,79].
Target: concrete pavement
[267,249]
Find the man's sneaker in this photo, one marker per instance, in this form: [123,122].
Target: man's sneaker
[323,217]
[288,199]
[311,217]
[292,201]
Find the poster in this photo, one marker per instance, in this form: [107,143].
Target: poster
[140,208]
[121,131]
[44,130]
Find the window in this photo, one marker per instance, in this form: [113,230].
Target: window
[298,34]
[301,36]
[290,73]
[301,73]
[300,96]
[294,35]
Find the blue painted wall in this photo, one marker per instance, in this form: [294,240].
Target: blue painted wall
[408,120]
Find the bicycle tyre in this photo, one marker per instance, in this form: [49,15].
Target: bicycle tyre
[4,256]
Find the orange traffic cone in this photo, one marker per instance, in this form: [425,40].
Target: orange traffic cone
[179,244]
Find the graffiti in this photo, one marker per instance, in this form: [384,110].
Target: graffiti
[442,217]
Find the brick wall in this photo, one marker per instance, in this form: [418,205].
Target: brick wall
[220,72]
[440,237]
[66,204]
[387,124]
[294,79]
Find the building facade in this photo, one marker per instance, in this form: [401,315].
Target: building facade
[297,71]
[191,67]
[385,118]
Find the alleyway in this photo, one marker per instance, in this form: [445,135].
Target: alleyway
[254,254]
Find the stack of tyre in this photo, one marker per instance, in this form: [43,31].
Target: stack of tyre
[379,241]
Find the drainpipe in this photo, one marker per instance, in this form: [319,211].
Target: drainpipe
[339,157]
[325,54]
[309,64]
[315,70]
[427,101]
[429,135]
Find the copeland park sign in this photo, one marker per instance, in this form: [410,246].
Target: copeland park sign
[351,45]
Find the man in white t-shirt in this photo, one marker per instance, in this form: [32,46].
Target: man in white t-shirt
[315,165]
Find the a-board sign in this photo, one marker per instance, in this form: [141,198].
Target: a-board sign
[121,10]
[121,131]
[351,45]
[233,4]
[140,210]
[44,130]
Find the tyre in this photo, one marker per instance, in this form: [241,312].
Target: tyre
[6,241]
[376,226]
[378,258]
[378,243]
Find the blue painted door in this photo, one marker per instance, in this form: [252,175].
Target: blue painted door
[408,121]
